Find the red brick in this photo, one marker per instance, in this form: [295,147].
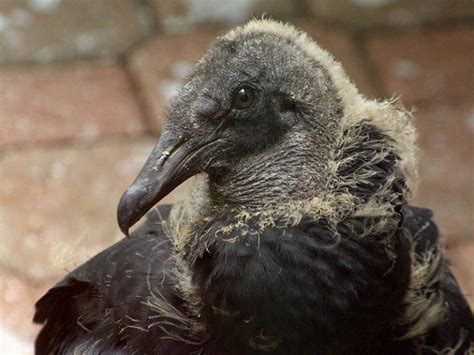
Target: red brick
[162,65]
[461,257]
[426,65]
[58,206]
[447,166]
[73,101]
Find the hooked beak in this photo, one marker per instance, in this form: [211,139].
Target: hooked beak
[172,161]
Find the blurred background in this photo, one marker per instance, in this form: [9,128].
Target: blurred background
[84,85]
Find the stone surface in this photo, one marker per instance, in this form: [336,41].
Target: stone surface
[185,15]
[363,14]
[461,257]
[71,101]
[426,65]
[447,166]
[161,65]
[17,299]
[45,30]
[58,206]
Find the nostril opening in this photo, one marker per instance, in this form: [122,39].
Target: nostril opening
[207,107]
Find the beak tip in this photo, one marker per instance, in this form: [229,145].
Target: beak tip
[162,172]
[123,225]
[125,218]
[126,232]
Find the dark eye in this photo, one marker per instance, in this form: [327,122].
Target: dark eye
[244,98]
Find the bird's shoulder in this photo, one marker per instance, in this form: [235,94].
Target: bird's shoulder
[109,303]
[421,228]
[147,248]
[434,289]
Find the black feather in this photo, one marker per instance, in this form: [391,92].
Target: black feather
[252,290]
[103,303]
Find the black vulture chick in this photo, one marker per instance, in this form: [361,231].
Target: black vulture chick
[302,241]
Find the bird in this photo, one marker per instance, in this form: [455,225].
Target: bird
[300,238]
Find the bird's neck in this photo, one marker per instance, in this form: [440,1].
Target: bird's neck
[285,173]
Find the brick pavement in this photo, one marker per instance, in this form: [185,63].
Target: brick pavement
[75,134]
[78,101]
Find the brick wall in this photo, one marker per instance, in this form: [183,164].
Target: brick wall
[84,86]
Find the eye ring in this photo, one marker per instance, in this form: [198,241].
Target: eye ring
[244,98]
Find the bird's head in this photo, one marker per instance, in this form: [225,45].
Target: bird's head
[263,114]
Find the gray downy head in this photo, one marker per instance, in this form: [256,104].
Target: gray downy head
[261,114]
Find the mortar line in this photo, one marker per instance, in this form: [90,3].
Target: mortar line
[146,113]
[71,143]
[359,41]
